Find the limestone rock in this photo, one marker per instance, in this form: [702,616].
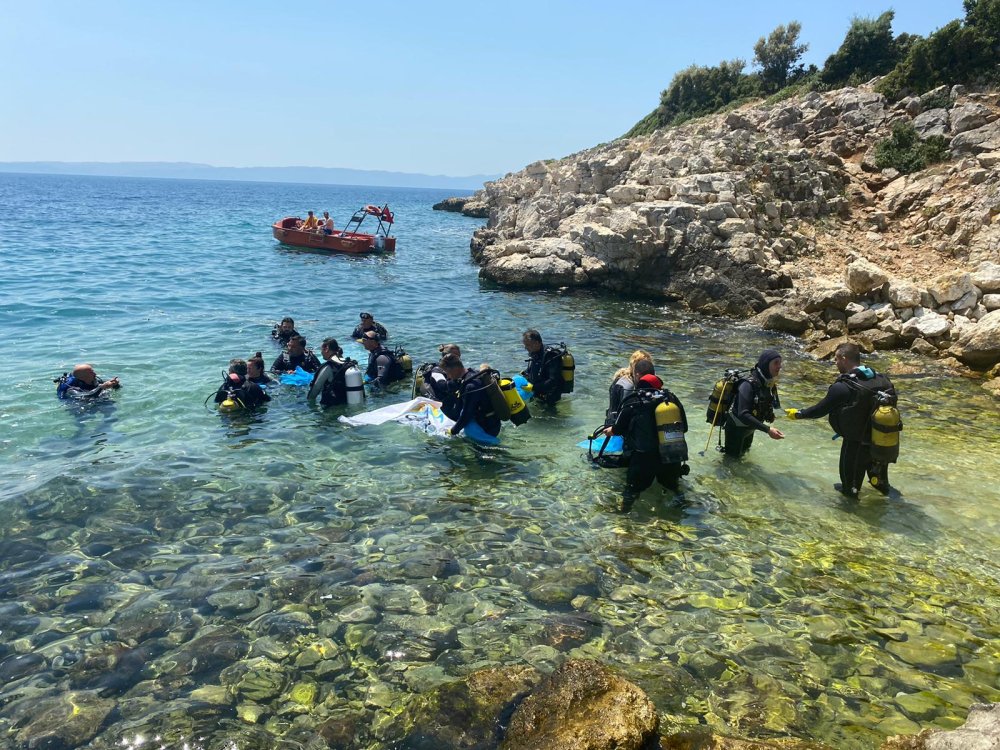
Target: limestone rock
[979,345]
[583,705]
[924,348]
[454,205]
[991,302]
[783,318]
[836,297]
[981,731]
[950,287]
[862,276]
[978,140]
[993,386]
[862,320]
[927,324]
[931,122]
[903,293]
[969,117]
[825,349]
[987,277]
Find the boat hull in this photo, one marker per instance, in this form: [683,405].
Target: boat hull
[354,243]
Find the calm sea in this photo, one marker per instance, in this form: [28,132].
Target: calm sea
[179,574]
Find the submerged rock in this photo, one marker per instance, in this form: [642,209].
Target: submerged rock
[66,721]
[981,731]
[583,705]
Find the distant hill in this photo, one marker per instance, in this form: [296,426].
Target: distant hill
[191,171]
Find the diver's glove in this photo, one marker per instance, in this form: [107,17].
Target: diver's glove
[792,413]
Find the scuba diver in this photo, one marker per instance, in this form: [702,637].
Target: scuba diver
[753,405]
[652,422]
[622,385]
[255,371]
[329,383]
[471,402]
[368,323]
[861,407]
[83,383]
[284,331]
[432,378]
[237,391]
[296,356]
[383,367]
[545,368]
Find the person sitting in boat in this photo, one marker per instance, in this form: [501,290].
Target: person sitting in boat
[368,323]
[311,224]
[327,223]
[83,383]
[296,356]
[255,370]
[283,331]
[383,367]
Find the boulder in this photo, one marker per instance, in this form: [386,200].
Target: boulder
[903,293]
[451,204]
[931,122]
[923,348]
[783,318]
[993,386]
[950,287]
[583,705]
[991,302]
[882,340]
[862,276]
[927,324]
[837,297]
[979,344]
[968,117]
[978,140]
[987,277]
[862,321]
[825,349]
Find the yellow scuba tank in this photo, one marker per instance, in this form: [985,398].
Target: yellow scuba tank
[568,369]
[228,403]
[406,362]
[720,400]
[519,413]
[490,380]
[886,426]
[670,433]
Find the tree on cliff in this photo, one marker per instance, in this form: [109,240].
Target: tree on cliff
[777,56]
[699,90]
[959,52]
[868,50]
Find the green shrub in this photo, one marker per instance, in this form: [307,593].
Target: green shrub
[906,152]
[868,50]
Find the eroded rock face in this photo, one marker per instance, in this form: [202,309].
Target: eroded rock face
[583,705]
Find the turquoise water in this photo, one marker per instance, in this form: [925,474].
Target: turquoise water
[178,573]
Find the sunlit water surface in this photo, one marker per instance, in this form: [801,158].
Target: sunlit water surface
[209,580]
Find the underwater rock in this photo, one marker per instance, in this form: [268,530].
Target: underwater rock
[703,740]
[263,679]
[208,651]
[981,731]
[583,705]
[923,652]
[233,601]
[65,721]
[467,714]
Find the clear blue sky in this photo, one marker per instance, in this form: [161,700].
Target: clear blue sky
[438,87]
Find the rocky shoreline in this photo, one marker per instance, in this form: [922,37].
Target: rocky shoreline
[778,214]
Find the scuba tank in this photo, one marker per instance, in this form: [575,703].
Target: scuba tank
[490,380]
[231,401]
[568,369]
[519,413]
[403,358]
[886,426]
[670,432]
[722,396]
[355,384]
[420,379]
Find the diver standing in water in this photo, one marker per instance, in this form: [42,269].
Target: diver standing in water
[753,405]
[330,383]
[545,368]
[861,407]
[238,390]
[383,367]
[471,403]
[296,356]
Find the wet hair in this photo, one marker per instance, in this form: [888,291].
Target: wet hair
[449,361]
[298,340]
[257,360]
[643,367]
[333,346]
[629,372]
[239,366]
[532,335]
[450,349]
[289,321]
[850,351]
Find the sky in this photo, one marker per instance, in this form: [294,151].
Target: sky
[441,88]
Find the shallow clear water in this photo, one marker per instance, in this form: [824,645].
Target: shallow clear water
[156,559]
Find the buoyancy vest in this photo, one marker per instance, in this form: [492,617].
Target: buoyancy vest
[852,421]
[642,431]
[335,388]
[393,372]
[763,399]
[63,384]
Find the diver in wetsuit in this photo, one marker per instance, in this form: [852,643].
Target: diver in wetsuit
[329,383]
[471,403]
[84,384]
[368,323]
[383,368]
[544,370]
[850,402]
[753,406]
[238,388]
[296,356]
[284,331]
[255,371]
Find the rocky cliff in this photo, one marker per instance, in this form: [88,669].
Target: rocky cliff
[779,212]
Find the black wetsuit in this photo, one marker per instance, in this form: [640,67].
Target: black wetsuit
[544,372]
[330,384]
[285,362]
[474,405]
[73,388]
[383,368]
[753,406]
[849,402]
[636,423]
[283,337]
[379,329]
[262,379]
[438,387]
[621,389]
[250,395]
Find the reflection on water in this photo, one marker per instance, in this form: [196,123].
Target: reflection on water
[166,572]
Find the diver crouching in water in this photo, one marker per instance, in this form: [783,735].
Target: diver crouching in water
[237,392]
[753,405]
[471,402]
[84,384]
[652,422]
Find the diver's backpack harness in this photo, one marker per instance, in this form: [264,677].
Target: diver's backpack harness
[721,400]
[880,421]
[63,383]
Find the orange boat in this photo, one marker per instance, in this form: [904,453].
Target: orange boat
[348,240]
